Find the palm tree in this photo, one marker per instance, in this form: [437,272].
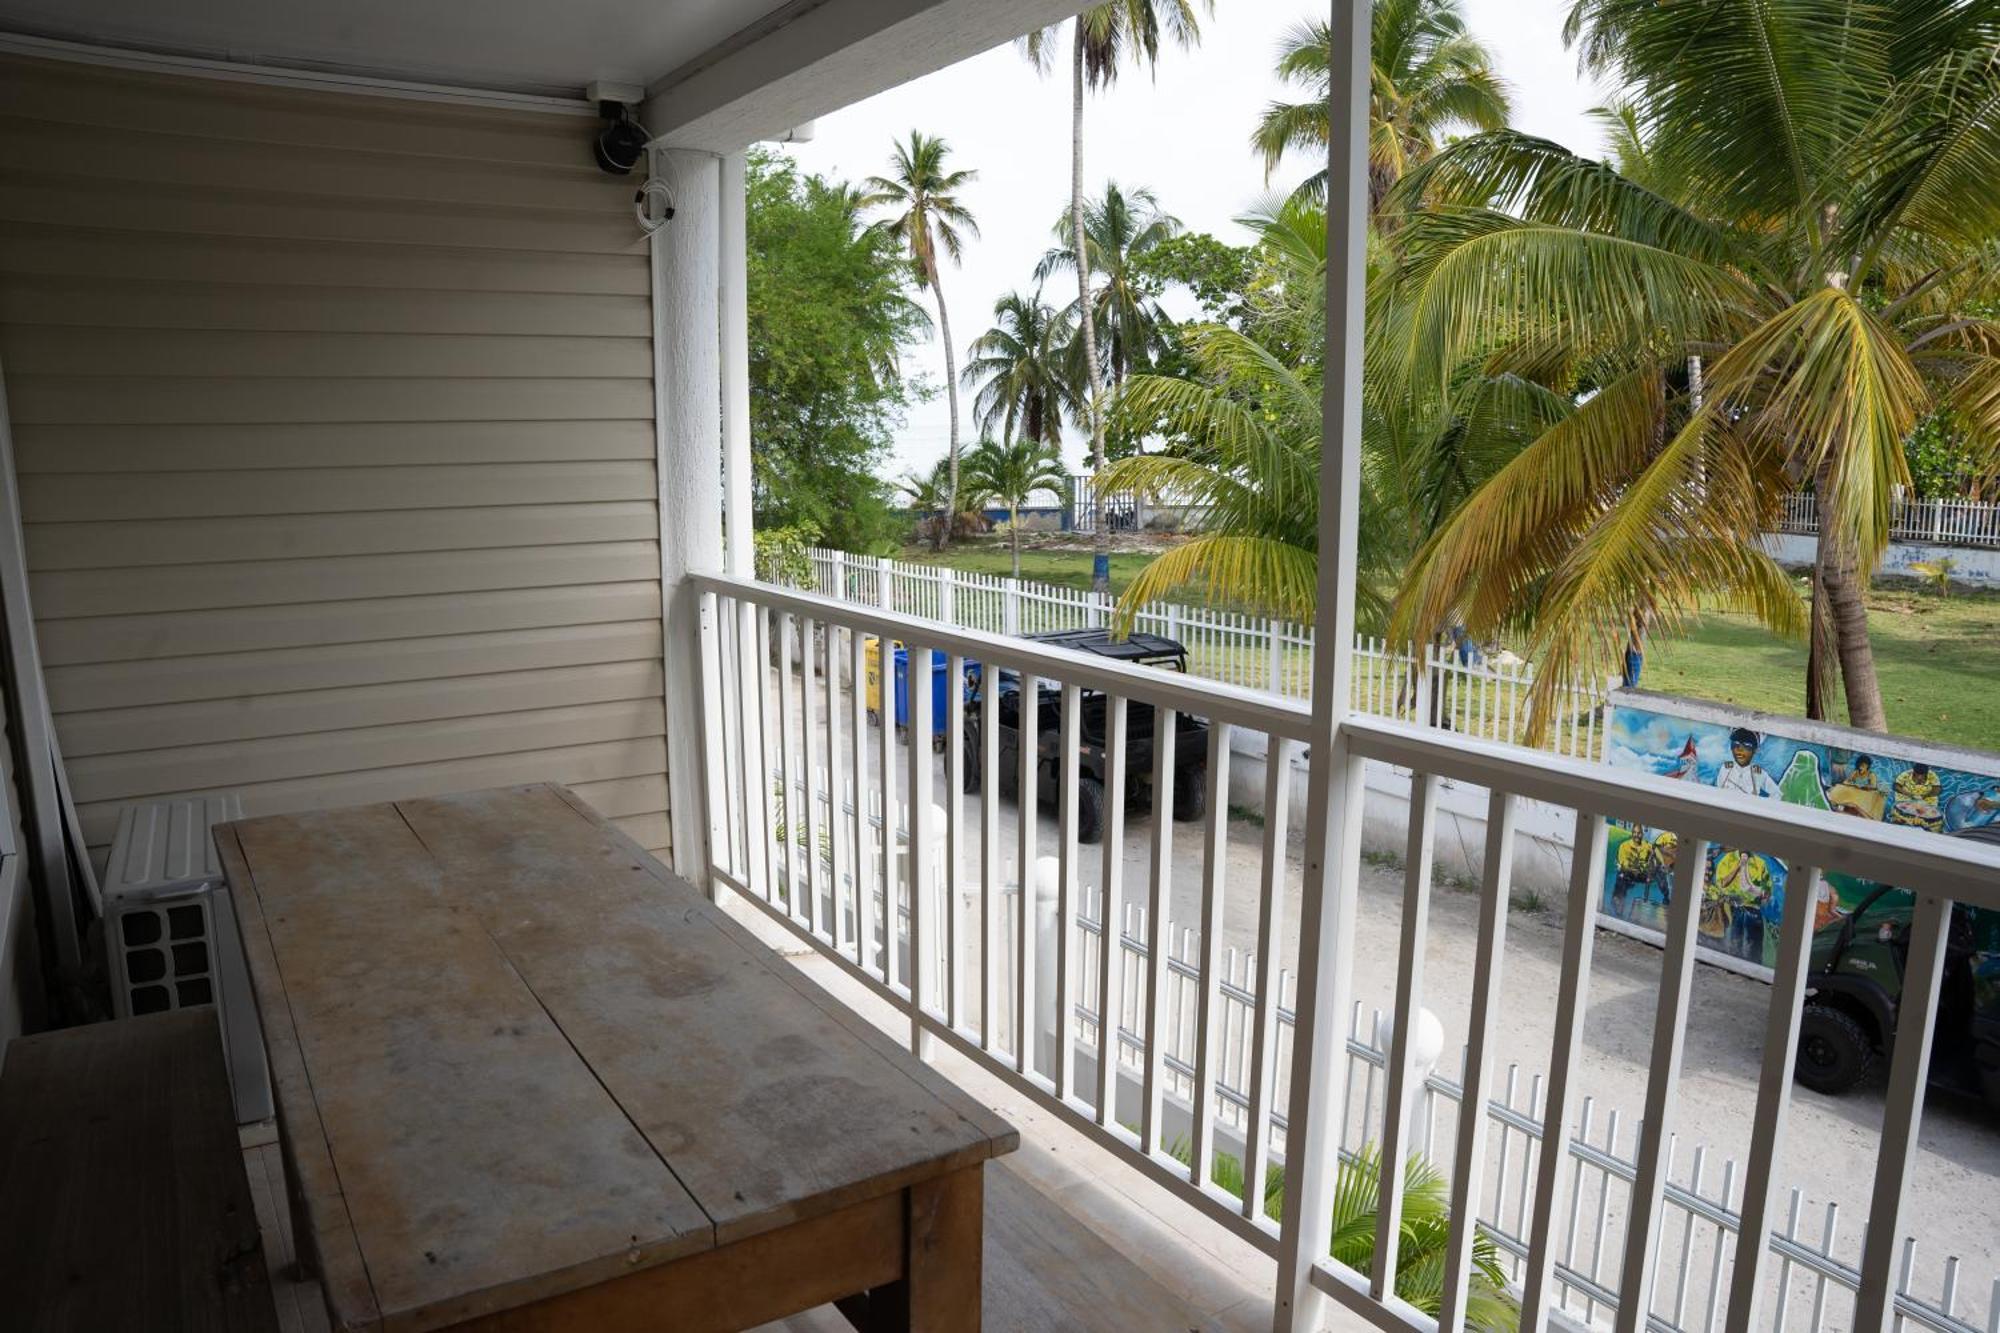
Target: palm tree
[1118,229]
[932,218]
[1102,39]
[1430,78]
[1011,473]
[938,501]
[1803,199]
[1021,387]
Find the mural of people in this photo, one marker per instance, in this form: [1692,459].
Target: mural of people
[1800,763]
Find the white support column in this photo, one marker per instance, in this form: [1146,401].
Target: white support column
[688,412]
[1334,788]
[734,316]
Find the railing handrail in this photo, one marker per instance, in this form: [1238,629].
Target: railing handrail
[1959,869]
[1275,714]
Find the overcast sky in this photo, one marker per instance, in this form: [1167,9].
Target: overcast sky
[1184,134]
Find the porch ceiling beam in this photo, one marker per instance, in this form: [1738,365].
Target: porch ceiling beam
[811,57]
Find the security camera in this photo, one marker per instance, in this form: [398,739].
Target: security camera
[622,141]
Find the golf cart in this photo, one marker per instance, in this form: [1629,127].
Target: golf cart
[1190,733]
[1855,985]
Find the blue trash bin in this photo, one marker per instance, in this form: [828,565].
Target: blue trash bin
[940,683]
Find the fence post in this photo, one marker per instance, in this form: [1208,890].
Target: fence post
[1174,621]
[1937,521]
[947,598]
[1273,628]
[839,589]
[1010,606]
[883,594]
[1420,657]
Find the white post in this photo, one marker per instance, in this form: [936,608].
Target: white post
[1333,791]
[1275,628]
[839,590]
[687,397]
[884,597]
[1010,607]
[947,595]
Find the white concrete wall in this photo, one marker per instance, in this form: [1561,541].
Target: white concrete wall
[1976,566]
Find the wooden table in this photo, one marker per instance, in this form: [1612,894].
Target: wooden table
[528,1079]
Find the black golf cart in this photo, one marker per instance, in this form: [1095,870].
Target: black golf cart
[1190,733]
[1855,987]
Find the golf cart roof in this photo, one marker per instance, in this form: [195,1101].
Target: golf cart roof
[1137,648]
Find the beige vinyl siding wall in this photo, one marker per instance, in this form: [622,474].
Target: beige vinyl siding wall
[334,424]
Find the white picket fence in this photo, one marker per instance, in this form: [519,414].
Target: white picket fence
[1486,700]
[1939,522]
[1699,1222]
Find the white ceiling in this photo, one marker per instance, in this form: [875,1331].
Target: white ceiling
[543,46]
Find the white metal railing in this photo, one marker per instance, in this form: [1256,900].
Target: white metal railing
[1938,522]
[1462,693]
[785,684]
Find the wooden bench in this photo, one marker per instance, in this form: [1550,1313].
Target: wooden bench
[122,1194]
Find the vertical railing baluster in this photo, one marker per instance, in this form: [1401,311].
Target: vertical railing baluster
[1111,913]
[1635,1288]
[1069,794]
[993,930]
[788,797]
[917,862]
[836,821]
[885,714]
[1418,860]
[954,836]
[1496,882]
[1902,1107]
[1565,1055]
[862,886]
[1027,733]
[1159,901]
[1774,1084]
[809,725]
[1264,1020]
[767,849]
[1214,891]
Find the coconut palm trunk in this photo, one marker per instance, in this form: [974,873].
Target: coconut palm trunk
[1100,565]
[1014,534]
[1842,585]
[951,398]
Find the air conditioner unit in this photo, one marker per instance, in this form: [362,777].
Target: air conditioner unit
[170,932]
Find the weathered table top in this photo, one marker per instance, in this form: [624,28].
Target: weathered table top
[515,1057]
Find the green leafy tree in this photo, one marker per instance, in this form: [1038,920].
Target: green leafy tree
[1103,39]
[933,495]
[830,304]
[1011,474]
[1803,199]
[1429,78]
[1020,384]
[930,217]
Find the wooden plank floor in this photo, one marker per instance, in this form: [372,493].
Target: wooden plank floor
[1044,1269]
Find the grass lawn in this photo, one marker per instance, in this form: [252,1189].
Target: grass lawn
[1068,568]
[1938,659]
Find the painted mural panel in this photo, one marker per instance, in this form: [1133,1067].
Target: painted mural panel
[1759,757]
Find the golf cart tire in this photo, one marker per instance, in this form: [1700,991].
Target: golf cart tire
[1190,795]
[1089,810]
[969,780]
[1835,1051]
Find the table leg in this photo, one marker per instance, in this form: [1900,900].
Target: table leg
[940,1288]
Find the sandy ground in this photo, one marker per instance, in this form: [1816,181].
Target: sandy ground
[1831,1144]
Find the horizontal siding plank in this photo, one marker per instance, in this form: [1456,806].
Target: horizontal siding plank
[334,177]
[128,303]
[59,200]
[74,689]
[156,588]
[309,712]
[85,399]
[649,831]
[233,110]
[573,764]
[243,493]
[113,353]
[134,638]
[199,541]
[277,759]
[94,252]
[625,796]
[207,447]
